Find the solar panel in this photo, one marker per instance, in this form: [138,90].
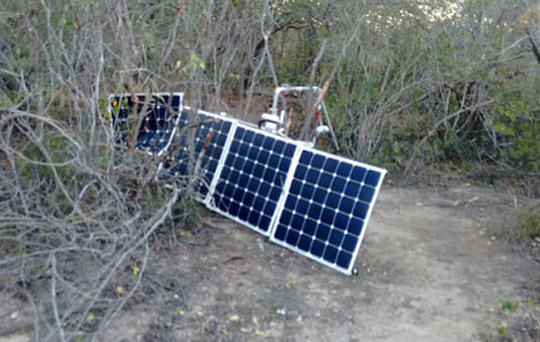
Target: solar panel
[327,207]
[156,126]
[252,178]
[210,136]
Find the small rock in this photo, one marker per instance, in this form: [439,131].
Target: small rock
[260,244]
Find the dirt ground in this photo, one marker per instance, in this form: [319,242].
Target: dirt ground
[428,270]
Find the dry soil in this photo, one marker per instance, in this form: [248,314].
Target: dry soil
[428,270]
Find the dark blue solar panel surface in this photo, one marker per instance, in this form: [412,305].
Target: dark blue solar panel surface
[157,123]
[210,136]
[327,207]
[252,180]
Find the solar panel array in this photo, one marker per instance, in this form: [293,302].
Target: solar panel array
[312,202]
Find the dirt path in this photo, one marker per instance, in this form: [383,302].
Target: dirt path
[427,271]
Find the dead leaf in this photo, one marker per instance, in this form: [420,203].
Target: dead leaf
[186,234]
[177,67]
[291,283]
[120,290]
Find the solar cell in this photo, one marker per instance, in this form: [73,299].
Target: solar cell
[326,209]
[252,178]
[155,127]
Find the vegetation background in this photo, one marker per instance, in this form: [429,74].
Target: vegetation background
[436,91]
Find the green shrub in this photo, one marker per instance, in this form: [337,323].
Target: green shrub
[529,220]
